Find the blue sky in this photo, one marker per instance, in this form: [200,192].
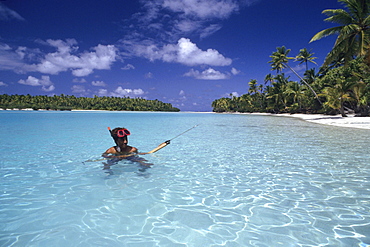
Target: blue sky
[184,52]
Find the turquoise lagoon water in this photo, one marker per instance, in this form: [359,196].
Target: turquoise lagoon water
[235,180]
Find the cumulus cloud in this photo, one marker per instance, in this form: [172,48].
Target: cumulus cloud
[126,92]
[44,82]
[7,14]
[184,52]
[3,84]
[121,92]
[188,53]
[98,83]
[66,58]
[83,64]
[209,74]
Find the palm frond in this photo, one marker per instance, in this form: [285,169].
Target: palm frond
[338,16]
[326,32]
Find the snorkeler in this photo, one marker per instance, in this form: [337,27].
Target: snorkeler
[119,136]
[122,150]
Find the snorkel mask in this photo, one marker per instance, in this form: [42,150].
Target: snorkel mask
[123,133]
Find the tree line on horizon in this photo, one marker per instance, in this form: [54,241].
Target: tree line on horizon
[70,102]
[341,85]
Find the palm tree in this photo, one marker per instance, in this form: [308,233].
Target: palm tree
[304,56]
[310,75]
[353,31]
[340,93]
[252,86]
[360,93]
[280,61]
[268,78]
[281,78]
[275,97]
[297,91]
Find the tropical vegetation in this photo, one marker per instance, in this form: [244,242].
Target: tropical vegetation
[67,102]
[341,84]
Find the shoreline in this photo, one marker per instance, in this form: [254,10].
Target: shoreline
[332,120]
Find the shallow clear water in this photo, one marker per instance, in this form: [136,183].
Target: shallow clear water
[235,180]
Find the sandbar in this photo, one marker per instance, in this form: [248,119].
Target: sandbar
[334,120]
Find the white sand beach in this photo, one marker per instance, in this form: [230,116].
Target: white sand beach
[337,120]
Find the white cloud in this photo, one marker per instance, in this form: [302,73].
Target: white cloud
[10,60]
[64,59]
[189,54]
[103,92]
[121,92]
[81,64]
[2,84]
[182,92]
[44,82]
[203,9]
[48,89]
[7,14]
[184,52]
[235,71]
[98,83]
[234,94]
[78,89]
[128,67]
[211,29]
[166,21]
[79,80]
[209,74]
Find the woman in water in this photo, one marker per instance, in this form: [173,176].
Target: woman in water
[119,136]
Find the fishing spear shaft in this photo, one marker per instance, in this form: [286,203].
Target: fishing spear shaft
[185,132]
[162,145]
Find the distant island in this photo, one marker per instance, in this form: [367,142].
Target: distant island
[70,102]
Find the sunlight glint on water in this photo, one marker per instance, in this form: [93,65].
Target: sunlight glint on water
[235,180]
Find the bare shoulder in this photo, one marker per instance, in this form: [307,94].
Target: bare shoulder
[111,150]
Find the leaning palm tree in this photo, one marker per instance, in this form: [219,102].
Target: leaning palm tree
[305,56]
[353,31]
[280,61]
